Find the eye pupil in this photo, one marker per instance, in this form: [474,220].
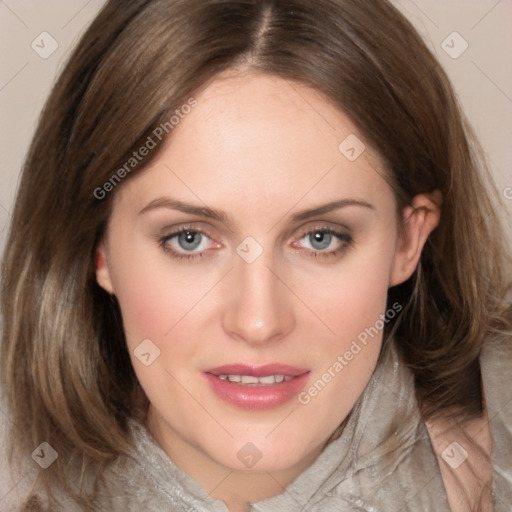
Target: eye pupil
[320,240]
[189,240]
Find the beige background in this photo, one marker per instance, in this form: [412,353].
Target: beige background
[482,75]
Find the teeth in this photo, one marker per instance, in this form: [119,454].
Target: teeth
[249,379]
[271,379]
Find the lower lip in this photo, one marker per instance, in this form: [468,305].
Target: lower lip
[257,397]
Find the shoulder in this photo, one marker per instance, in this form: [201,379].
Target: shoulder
[16,480]
[122,486]
[19,488]
[475,456]
[496,367]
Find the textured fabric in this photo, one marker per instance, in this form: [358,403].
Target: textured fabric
[383,461]
[497,378]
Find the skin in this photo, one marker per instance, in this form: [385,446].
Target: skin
[261,150]
[471,482]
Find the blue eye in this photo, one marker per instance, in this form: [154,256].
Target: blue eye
[186,243]
[189,240]
[324,240]
[320,240]
[323,243]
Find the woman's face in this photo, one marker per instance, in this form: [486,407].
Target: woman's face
[258,248]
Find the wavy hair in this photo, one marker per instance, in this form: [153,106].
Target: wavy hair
[66,373]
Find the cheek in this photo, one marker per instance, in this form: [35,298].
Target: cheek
[147,305]
[160,305]
[351,296]
[154,292]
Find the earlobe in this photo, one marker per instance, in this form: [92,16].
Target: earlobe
[102,269]
[419,220]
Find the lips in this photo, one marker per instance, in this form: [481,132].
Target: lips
[256,387]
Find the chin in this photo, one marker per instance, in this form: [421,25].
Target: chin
[263,455]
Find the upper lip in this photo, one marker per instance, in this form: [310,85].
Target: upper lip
[258,371]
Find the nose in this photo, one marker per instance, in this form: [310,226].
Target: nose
[260,307]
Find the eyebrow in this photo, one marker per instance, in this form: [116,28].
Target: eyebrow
[329,207]
[210,213]
[174,204]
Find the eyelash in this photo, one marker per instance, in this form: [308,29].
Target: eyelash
[344,238]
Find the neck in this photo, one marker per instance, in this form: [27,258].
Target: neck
[237,489]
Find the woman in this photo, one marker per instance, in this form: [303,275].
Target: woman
[254,265]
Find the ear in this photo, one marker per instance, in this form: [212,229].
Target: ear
[419,220]
[102,269]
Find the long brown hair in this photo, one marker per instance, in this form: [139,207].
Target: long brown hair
[66,373]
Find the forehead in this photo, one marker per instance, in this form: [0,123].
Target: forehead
[260,142]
